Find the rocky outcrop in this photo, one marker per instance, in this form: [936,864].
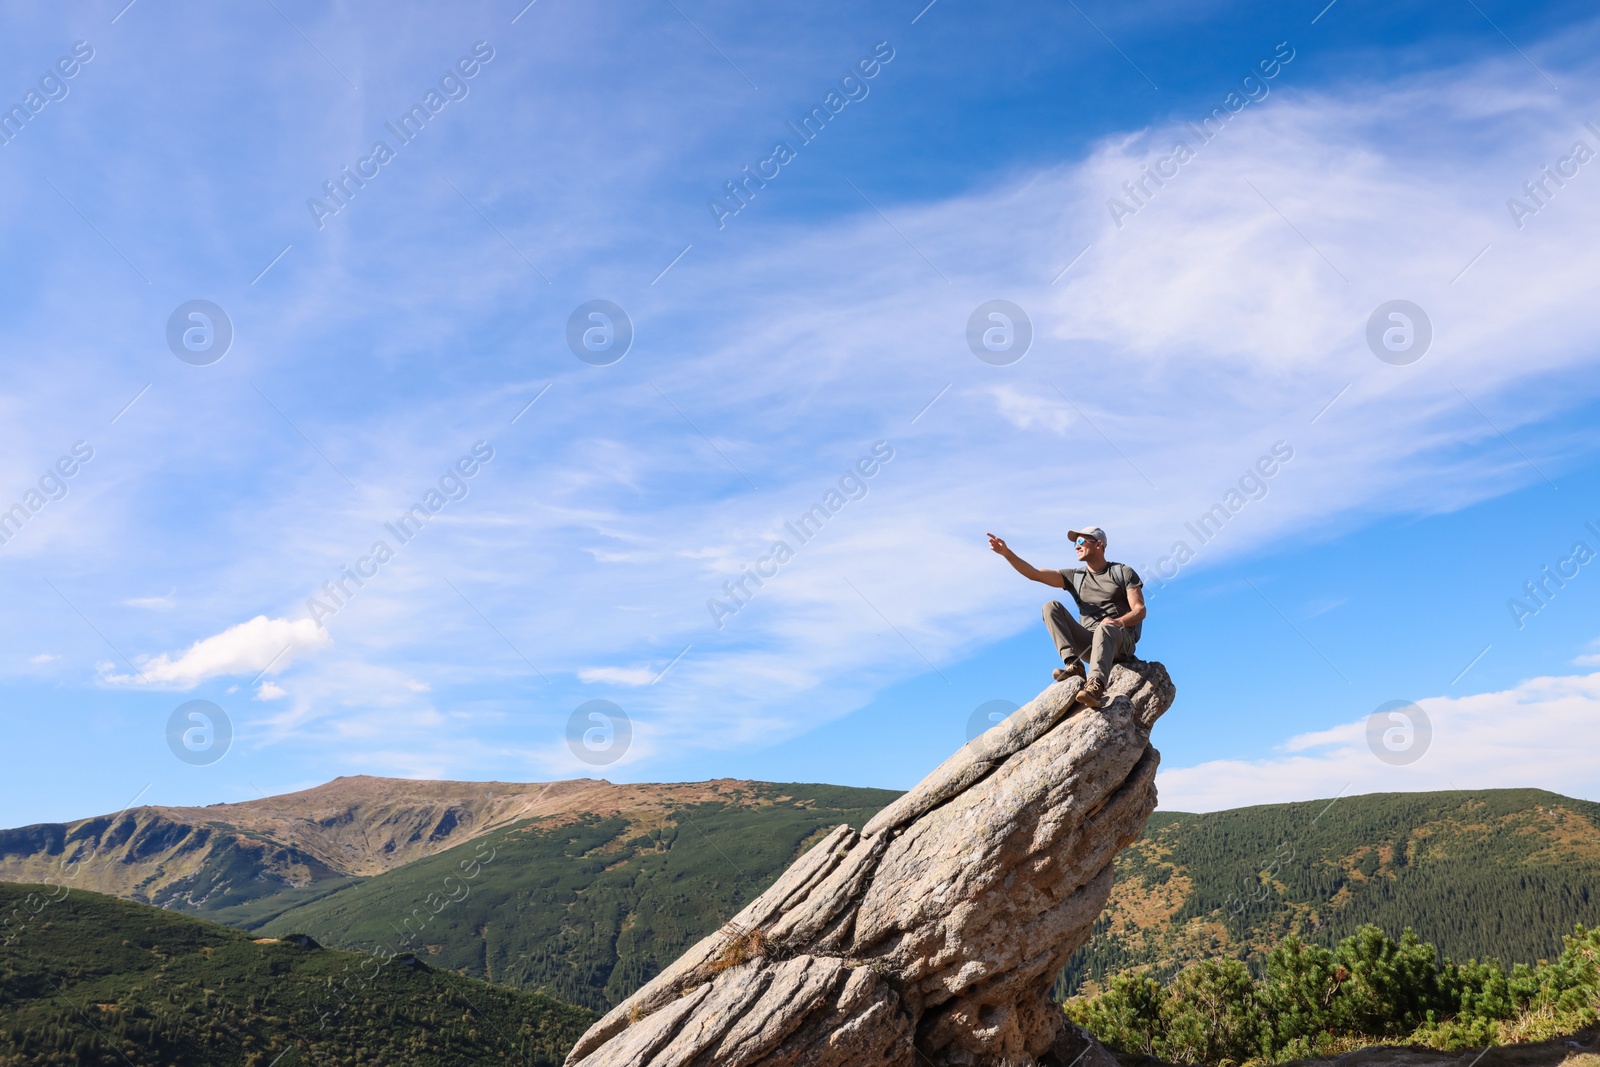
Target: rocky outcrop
[931,937]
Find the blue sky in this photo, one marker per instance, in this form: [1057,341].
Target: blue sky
[571,153]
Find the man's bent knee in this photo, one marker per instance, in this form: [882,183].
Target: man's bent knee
[1053,606]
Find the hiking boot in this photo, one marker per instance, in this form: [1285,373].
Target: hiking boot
[1092,695]
[1061,674]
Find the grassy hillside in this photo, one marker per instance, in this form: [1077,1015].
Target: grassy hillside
[91,980]
[1492,873]
[587,909]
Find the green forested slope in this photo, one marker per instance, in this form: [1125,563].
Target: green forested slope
[586,911]
[92,980]
[1489,873]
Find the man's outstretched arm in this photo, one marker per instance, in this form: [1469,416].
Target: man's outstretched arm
[1024,568]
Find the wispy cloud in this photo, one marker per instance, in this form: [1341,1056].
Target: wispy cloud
[618,675]
[1028,411]
[154,603]
[1164,319]
[1190,338]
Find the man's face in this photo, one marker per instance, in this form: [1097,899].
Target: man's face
[1087,548]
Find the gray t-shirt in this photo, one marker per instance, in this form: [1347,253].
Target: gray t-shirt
[1104,595]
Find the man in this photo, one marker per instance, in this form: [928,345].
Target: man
[1110,599]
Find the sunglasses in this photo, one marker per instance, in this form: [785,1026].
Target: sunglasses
[1080,542]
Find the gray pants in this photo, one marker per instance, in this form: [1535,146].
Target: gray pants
[1098,647]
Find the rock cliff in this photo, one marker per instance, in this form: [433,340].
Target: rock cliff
[932,937]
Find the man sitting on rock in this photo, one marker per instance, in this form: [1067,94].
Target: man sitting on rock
[1110,599]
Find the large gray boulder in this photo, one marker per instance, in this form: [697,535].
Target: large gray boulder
[932,937]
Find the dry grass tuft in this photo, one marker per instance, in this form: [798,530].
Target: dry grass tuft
[744,947]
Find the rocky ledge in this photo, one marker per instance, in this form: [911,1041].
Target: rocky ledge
[932,937]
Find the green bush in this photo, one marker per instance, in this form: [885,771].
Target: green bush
[1369,988]
[1297,1000]
[1126,1016]
[1568,987]
[1389,988]
[1212,1015]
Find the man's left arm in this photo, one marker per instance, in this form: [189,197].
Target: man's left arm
[1136,610]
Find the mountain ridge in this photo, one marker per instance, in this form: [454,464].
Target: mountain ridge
[242,862]
[245,859]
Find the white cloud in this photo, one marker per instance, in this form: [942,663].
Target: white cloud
[418,687]
[271,691]
[248,648]
[44,657]
[1514,738]
[618,675]
[154,603]
[1028,411]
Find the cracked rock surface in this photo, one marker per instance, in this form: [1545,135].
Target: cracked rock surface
[931,937]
